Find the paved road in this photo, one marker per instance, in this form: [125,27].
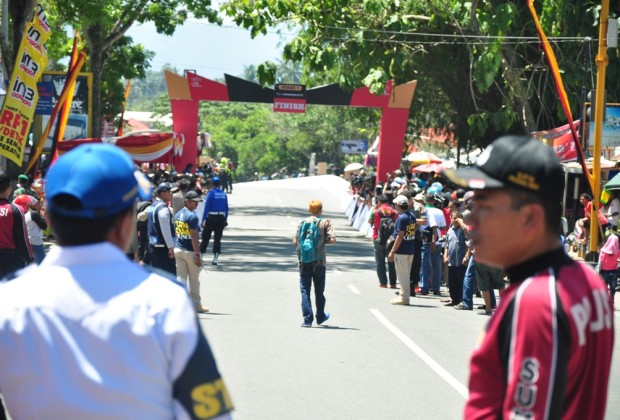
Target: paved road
[372,361]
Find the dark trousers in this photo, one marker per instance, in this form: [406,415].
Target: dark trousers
[10,261]
[611,278]
[456,275]
[161,260]
[143,248]
[312,274]
[414,275]
[381,253]
[215,223]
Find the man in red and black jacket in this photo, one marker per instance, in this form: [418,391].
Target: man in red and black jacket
[381,247]
[15,250]
[546,353]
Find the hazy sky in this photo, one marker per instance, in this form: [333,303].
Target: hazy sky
[209,49]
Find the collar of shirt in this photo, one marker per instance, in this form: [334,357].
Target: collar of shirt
[526,269]
[103,252]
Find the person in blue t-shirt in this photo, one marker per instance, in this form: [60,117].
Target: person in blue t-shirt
[187,250]
[403,249]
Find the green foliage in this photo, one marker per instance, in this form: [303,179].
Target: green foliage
[145,91]
[125,61]
[478,68]
[103,24]
[259,140]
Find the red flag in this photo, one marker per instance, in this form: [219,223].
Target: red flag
[73,74]
[557,78]
[66,108]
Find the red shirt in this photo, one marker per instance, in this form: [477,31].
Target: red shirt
[547,349]
[602,220]
[13,233]
[384,209]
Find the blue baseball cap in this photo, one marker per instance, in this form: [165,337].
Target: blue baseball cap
[163,186]
[101,177]
[215,179]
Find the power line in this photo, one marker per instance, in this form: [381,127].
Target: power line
[459,36]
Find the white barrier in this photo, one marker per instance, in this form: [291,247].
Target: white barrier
[350,208]
[357,211]
[362,217]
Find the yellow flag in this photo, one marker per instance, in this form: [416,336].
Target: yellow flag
[22,96]
[605,196]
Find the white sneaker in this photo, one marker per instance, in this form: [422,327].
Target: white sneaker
[215,257]
[399,301]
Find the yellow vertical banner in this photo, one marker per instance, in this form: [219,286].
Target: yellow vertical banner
[21,95]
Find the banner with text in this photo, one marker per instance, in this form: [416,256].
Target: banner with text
[80,121]
[289,98]
[353,147]
[561,139]
[21,96]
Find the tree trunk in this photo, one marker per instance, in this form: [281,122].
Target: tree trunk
[519,98]
[20,12]
[96,53]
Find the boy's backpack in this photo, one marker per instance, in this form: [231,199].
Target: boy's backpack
[308,239]
[386,228]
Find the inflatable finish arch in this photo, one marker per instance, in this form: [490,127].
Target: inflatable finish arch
[186,93]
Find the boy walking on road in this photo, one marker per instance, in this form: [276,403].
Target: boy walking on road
[310,238]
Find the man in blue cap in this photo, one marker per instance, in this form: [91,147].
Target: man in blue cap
[90,334]
[214,219]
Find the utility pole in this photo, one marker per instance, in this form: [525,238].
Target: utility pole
[601,66]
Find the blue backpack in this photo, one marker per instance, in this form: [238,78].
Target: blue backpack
[308,239]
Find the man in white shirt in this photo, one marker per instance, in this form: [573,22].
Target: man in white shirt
[89,334]
[612,210]
[431,248]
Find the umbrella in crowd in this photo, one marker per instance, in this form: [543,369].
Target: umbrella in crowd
[614,183]
[429,167]
[353,167]
[423,157]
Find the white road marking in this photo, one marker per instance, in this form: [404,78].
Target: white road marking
[354,289]
[443,373]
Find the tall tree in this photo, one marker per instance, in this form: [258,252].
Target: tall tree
[104,23]
[478,61]
[249,73]
[15,15]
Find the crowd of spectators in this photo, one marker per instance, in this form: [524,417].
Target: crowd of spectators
[442,253]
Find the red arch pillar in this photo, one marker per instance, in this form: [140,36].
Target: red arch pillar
[185,122]
[392,130]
